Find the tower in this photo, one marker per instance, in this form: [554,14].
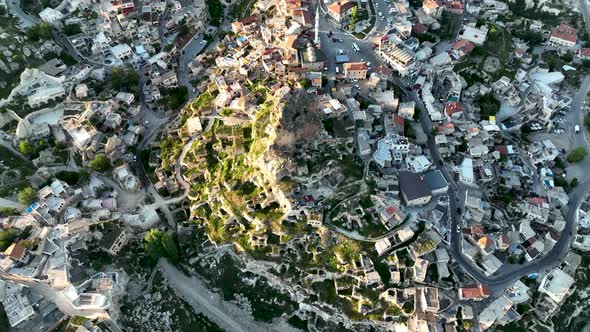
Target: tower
[317,26]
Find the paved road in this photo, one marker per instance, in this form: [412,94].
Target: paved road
[161,24]
[25,20]
[6,203]
[17,153]
[507,274]
[586,12]
[577,113]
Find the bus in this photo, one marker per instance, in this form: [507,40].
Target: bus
[355,47]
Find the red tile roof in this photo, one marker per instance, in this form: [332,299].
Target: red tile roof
[503,149]
[485,242]
[15,251]
[430,4]
[248,20]
[477,230]
[475,292]
[419,28]
[341,6]
[445,125]
[471,293]
[537,200]
[453,107]
[464,46]
[355,66]
[585,52]
[398,120]
[565,32]
[391,210]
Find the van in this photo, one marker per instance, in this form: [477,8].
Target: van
[577,129]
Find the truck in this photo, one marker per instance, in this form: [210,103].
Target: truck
[355,47]
[577,128]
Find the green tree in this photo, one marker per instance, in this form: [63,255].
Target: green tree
[467,325]
[27,148]
[176,97]
[7,211]
[72,29]
[27,195]
[41,31]
[488,105]
[169,247]
[124,79]
[576,155]
[574,183]
[304,82]
[160,244]
[68,177]
[354,15]
[7,237]
[100,163]
[184,30]
[153,243]
[561,182]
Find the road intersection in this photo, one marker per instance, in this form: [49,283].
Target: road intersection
[508,273]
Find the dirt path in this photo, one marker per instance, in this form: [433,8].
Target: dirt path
[225,314]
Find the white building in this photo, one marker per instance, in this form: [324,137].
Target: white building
[406,110]
[556,285]
[51,15]
[418,164]
[100,43]
[122,52]
[563,36]
[399,59]
[466,174]
[475,35]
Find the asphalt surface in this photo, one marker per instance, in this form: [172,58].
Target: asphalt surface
[508,273]
[25,20]
[586,13]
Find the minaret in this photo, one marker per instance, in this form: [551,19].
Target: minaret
[317,27]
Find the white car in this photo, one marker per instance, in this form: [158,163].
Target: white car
[340,51]
[458,228]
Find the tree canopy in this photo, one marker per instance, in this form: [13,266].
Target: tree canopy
[488,105]
[100,163]
[27,195]
[41,31]
[160,244]
[7,236]
[27,148]
[576,155]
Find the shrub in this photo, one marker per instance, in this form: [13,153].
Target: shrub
[576,155]
[27,195]
[100,163]
[68,177]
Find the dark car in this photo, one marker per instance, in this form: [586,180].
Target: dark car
[458,210]
[440,162]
